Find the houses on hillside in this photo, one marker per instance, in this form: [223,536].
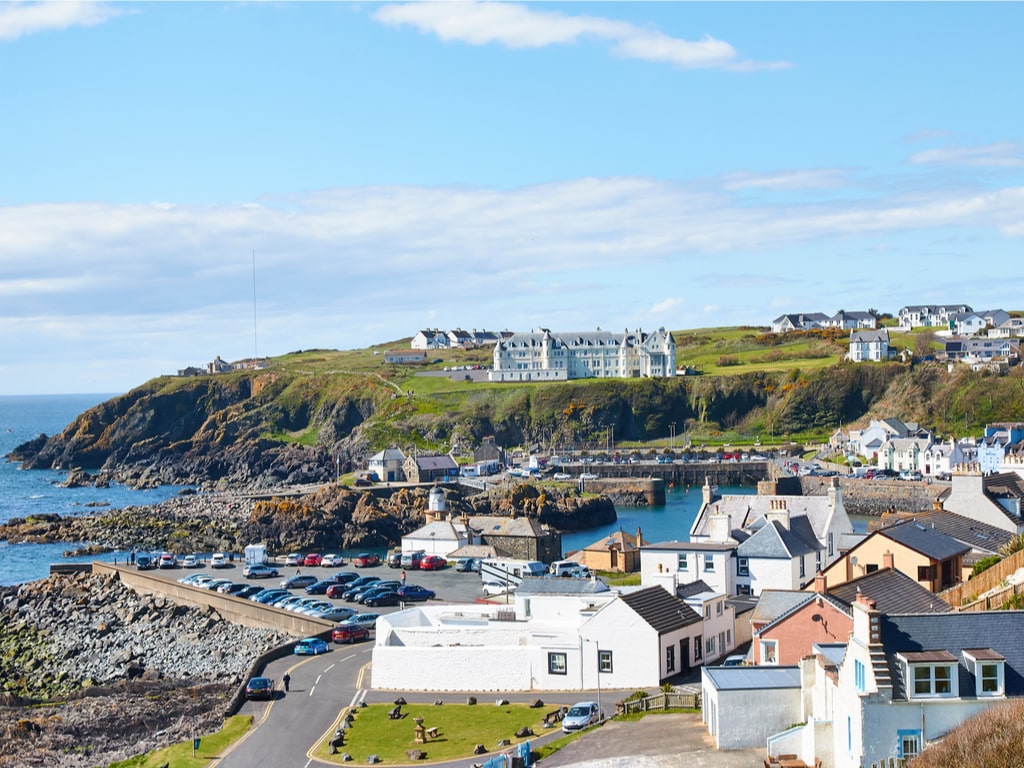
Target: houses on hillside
[842,320]
[457,338]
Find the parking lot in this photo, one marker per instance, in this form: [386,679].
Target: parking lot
[450,585]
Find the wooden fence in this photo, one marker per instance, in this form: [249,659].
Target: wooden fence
[658,701]
[970,591]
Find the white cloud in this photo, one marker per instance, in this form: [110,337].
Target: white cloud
[1005,154]
[815,178]
[668,305]
[517,26]
[19,19]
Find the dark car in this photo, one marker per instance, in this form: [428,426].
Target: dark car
[381,597]
[394,560]
[349,633]
[248,591]
[376,589]
[144,562]
[357,585]
[356,594]
[414,593]
[259,688]
[365,560]
[321,587]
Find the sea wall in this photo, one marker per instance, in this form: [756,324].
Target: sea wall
[873,497]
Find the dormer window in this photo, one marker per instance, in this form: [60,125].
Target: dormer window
[931,674]
[988,667]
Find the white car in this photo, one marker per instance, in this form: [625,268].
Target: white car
[190,561]
[331,561]
[581,715]
[589,476]
[492,588]
[561,476]
[217,560]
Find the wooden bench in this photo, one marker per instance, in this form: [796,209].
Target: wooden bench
[396,713]
[432,732]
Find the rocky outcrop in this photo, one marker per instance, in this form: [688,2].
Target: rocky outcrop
[124,673]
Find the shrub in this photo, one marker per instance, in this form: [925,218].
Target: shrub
[984,564]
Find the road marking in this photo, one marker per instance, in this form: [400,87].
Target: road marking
[350,656]
[330,668]
[312,689]
[317,681]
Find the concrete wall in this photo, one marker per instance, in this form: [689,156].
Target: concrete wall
[235,609]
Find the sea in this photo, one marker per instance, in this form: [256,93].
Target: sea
[29,492]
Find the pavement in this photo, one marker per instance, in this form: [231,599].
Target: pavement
[654,741]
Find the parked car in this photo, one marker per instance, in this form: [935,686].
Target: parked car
[191,578]
[218,560]
[259,688]
[414,593]
[299,581]
[337,613]
[581,715]
[257,571]
[368,620]
[320,587]
[345,577]
[412,560]
[381,597]
[312,560]
[349,633]
[433,563]
[214,584]
[190,561]
[361,593]
[357,585]
[311,646]
[294,559]
[734,661]
[144,561]
[365,560]
[394,560]
[236,589]
[168,560]
[589,476]
[332,561]
[264,597]
[492,588]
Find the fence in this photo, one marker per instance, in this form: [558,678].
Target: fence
[986,581]
[658,701]
[518,757]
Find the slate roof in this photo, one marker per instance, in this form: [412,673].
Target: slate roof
[684,591]
[440,530]
[774,540]
[866,336]
[973,533]
[388,454]
[999,631]
[688,546]
[892,591]
[493,525]
[744,509]
[664,612]
[435,462]
[745,678]
[775,602]
[543,586]
[927,541]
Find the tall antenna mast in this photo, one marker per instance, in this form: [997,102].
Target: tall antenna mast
[255,338]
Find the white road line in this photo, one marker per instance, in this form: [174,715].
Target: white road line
[317,681]
[350,656]
[330,668]
[312,689]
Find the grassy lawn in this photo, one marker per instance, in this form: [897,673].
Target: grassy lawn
[180,755]
[461,727]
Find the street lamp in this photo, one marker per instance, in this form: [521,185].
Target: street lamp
[672,434]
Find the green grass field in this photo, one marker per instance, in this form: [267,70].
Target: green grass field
[180,755]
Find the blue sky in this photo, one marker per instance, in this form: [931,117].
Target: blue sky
[503,166]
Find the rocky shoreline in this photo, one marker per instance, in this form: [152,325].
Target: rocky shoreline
[120,673]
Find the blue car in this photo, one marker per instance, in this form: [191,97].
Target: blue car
[311,646]
[415,593]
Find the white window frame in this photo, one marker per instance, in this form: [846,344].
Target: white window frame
[770,652]
[982,669]
[934,675]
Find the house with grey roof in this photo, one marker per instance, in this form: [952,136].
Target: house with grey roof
[902,681]
[799,321]
[852,320]
[524,538]
[430,469]
[742,706]
[984,540]
[562,635]
[546,356]
[994,499]
[430,338]
[869,346]
[387,465]
[929,315]
[1010,328]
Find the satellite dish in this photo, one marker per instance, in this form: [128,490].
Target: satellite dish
[853,560]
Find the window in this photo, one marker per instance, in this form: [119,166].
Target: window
[709,646]
[924,573]
[721,642]
[742,589]
[831,544]
[769,651]
[871,568]
[682,564]
[742,566]
[670,658]
[910,744]
[989,678]
[858,674]
[556,664]
[817,561]
[604,661]
[987,666]
[718,608]
[803,567]
[709,563]
[698,645]
[707,610]
[932,680]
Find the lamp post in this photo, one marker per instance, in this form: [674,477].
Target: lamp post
[672,434]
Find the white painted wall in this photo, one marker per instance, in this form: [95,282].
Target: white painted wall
[741,719]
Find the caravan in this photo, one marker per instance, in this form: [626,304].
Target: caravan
[510,572]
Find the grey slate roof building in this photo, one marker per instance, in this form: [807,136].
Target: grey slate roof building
[542,586]
[892,591]
[954,633]
[664,612]
[927,541]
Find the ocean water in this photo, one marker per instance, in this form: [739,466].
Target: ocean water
[28,492]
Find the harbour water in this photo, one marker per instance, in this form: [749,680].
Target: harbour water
[29,492]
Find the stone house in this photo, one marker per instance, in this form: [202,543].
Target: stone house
[520,538]
[618,552]
[430,469]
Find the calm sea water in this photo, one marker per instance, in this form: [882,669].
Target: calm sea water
[27,492]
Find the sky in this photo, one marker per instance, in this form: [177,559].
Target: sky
[180,181]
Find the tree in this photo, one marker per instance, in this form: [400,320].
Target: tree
[923,345]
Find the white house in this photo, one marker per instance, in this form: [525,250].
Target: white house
[430,339]
[868,442]
[742,706]
[387,465]
[940,458]
[900,683]
[966,323]
[869,345]
[719,623]
[904,453]
[930,315]
[1010,328]
[799,322]
[847,320]
[545,356]
[562,634]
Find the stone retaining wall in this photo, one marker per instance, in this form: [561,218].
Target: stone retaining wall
[873,497]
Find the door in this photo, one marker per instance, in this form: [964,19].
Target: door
[684,655]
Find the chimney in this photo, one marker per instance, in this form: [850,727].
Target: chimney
[639,537]
[719,526]
[820,583]
[867,621]
[777,512]
[887,561]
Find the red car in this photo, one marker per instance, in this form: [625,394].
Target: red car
[365,560]
[311,560]
[349,633]
[433,563]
